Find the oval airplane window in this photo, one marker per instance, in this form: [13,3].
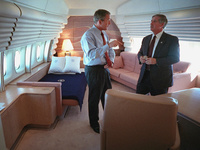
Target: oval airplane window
[4,65]
[38,52]
[46,50]
[17,60]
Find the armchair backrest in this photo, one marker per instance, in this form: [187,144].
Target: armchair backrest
[138,122]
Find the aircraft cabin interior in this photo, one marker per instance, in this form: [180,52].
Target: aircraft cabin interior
[44,90]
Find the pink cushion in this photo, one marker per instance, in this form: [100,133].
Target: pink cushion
[128,60]
[180,67]
[130,77]
[137,66]
[117,72]
[118,63]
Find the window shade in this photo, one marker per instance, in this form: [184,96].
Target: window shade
[185,24]
[8,14]
[27,27]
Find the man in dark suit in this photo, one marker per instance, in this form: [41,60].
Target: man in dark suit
[157,56]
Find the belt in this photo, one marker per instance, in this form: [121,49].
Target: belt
[96,66]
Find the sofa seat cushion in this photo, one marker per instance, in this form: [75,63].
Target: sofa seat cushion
[130,77]
[117,72]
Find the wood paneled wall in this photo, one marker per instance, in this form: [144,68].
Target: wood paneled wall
[76,27]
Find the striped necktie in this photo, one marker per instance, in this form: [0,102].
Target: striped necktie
[151,47]
[106,53]
[150,50]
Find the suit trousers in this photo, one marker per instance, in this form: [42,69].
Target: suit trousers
[98,79]
[145,86]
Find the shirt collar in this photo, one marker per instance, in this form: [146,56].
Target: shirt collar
[158,35]
[97,29]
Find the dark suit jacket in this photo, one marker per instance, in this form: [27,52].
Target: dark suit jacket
[166,54]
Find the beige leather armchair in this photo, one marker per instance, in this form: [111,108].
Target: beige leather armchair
[139,122]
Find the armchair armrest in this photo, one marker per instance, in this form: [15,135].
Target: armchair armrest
[177,143]
[183,81]
[57,86]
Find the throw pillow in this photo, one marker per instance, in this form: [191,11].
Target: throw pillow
[118,63]
[72,64]
[57,65]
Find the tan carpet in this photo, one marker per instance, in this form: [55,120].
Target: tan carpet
[71,133]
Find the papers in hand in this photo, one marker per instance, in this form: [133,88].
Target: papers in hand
[116,47]
[2,106]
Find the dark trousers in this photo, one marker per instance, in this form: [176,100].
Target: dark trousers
[98,79]
[145,86]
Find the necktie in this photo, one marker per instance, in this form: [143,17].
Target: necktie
[151,47]
[150,50]
[106,53]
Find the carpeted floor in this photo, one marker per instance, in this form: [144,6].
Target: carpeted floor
[71,133]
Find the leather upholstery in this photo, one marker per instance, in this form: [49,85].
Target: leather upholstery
[139,122]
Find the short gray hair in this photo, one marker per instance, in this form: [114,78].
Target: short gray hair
[162,19]
[100,14]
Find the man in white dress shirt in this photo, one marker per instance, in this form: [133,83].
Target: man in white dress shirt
[98,77]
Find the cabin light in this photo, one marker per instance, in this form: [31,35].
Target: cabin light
[67,46]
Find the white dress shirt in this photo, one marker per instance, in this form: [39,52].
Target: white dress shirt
[94,50]
[156,41]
